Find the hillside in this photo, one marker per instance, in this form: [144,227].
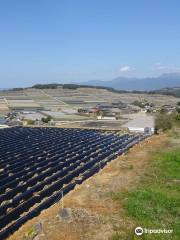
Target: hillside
[169,91]
[172,91]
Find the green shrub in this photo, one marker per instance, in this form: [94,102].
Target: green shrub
[30,122]
[163,122]
[46,119]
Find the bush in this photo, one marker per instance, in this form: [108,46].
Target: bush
[177,117]
[30,122]
[163,122]
[46,119]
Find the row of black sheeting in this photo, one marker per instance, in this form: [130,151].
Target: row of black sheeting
[38,164]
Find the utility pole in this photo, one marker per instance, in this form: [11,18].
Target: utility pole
[62,200]
[99,165]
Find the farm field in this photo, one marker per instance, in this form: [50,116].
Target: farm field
[37,165]
[95,124]
[96,207]
[57,99]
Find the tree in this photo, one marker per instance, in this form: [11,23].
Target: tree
[46,119]
[178,109]
[163,122]
[177,117]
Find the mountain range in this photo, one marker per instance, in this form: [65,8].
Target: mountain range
[143,84]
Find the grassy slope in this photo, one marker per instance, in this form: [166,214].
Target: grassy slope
[155,203]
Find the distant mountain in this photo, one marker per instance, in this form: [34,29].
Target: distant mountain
[143,84]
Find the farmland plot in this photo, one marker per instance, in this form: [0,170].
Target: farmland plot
[38,165]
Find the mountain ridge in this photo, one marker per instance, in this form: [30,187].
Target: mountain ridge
[145,84]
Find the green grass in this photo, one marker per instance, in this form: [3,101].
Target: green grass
[156,201]
[31,233]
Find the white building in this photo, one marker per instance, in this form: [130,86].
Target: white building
[106,117]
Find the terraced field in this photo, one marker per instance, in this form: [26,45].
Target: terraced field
[60,98]
[37,165]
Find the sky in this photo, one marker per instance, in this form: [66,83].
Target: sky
[45,41]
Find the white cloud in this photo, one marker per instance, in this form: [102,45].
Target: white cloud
[125,68]
[167,68]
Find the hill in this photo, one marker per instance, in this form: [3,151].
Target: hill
[168,91]
[172,91]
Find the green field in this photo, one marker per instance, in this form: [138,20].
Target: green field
[155,202]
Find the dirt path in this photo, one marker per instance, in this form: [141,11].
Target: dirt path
[92,214]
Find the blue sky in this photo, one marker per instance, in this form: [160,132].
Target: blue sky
[45,41]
